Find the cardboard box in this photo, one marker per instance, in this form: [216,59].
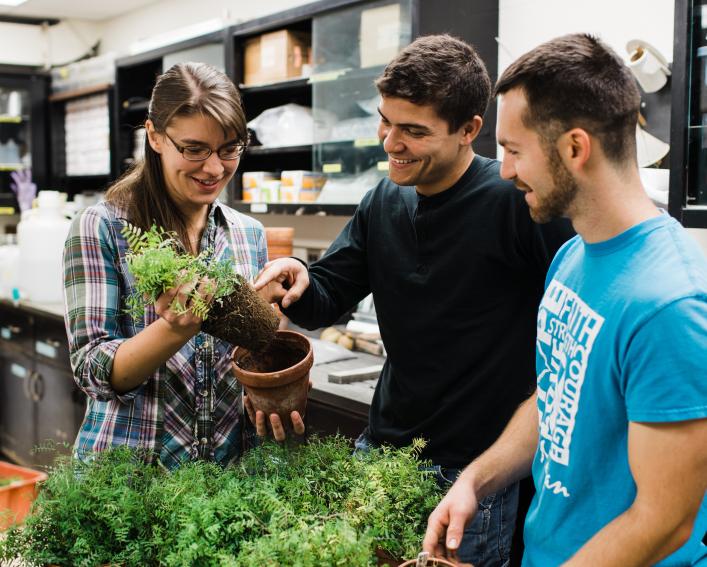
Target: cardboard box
[379,40]
[275,56]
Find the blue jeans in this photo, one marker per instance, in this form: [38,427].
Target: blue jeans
[487,539]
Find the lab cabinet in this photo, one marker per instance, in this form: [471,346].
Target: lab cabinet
[41,408]
[23,129]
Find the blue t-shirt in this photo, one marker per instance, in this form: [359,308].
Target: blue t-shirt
[622,336]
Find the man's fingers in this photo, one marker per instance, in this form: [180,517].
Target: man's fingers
[434,536]
[295,292]
[269,273]
[278,431]
[454,533]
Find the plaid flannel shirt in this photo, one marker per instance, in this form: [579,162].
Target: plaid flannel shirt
[191,406]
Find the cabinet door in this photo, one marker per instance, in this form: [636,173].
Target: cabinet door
[58,408]
[17,410]
[325,419]
[50,343]
[16,329]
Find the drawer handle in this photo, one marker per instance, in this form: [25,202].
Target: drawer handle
[10,330]
[36,387]
[26,385]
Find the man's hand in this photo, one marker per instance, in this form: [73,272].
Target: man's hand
[446,523]
[283,280]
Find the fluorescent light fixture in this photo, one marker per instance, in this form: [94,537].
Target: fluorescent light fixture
[175,36]
[12,2]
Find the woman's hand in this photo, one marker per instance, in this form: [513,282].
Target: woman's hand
[171,305]
[258,419]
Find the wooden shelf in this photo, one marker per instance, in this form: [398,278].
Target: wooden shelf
[77,93]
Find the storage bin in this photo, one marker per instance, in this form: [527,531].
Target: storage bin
[16,497]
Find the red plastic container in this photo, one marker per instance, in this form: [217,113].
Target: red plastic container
[17,497]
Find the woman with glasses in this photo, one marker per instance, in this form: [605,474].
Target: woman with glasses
[160,383]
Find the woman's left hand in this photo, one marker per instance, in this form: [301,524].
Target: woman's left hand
[276,425]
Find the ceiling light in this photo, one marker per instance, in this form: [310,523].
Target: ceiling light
[11,2]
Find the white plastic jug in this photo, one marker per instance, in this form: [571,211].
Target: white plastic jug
[40,235]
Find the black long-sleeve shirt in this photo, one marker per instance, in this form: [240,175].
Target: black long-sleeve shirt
[456,280]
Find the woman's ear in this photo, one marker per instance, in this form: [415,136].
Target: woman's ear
[153,138]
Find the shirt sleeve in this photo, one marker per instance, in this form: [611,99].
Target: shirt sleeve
[339,280]
[92,303]
[665,376]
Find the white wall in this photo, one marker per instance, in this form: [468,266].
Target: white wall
[71,39]
[167,15]
[523,24]
[57,45]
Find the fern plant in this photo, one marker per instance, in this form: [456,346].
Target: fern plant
[158,262]
[308,506]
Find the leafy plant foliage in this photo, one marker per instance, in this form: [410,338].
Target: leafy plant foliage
[158,262]
[310,506]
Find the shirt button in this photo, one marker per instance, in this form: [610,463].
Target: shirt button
[204,441]
[206,345]
[203,393]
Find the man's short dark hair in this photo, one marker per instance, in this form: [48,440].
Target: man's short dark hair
[578,81]
[443,71]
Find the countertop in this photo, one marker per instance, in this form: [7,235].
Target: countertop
[54,310]
[355,397]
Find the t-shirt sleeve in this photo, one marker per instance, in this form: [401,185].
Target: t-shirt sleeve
[666,364]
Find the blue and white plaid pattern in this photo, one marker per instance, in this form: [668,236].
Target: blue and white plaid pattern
[191,407]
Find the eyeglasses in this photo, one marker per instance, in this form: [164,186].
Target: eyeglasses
[226,152]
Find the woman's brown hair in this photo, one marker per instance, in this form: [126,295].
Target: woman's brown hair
[186,89]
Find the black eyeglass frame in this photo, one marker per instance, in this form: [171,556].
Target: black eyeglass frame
[181,149]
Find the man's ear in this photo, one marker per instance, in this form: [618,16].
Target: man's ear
[575,148]
[152,137]
[470,130]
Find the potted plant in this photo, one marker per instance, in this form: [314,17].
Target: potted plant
[276,379]
[158,262]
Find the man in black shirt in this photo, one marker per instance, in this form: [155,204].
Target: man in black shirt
[456,267]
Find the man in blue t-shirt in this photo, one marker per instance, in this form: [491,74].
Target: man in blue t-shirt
[616,433]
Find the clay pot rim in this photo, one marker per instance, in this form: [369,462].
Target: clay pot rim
[431,562]
[279,377]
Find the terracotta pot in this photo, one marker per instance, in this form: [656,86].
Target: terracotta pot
[431,562]
[277,379]
[279,240]
[385,558]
